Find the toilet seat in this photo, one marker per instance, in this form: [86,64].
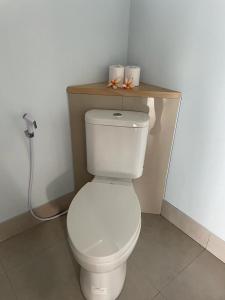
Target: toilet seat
[104,222]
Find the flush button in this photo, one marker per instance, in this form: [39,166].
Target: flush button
[117,115]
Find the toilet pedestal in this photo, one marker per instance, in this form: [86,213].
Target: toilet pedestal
[102,286]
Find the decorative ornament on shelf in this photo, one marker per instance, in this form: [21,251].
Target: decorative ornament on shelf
[114,83]
[128,84]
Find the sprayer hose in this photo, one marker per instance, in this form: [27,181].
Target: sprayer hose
[31,170]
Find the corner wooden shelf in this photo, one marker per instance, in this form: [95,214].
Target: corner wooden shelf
[144,90]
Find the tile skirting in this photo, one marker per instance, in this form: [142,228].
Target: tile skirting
[196,231]
[216,246]
[25,221]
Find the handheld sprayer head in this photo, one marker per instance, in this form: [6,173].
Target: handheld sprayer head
[31,125]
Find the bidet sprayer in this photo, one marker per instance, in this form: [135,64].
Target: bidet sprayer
[31,125]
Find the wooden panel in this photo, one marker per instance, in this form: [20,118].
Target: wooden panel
[144,90]
[162,112]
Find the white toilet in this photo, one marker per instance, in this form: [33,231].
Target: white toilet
[104,218]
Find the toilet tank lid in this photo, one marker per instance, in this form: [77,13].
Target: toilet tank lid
[117,118]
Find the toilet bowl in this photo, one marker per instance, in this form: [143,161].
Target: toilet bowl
[104,218]
[103,222]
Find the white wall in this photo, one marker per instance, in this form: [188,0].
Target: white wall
[45,46]
[181,45]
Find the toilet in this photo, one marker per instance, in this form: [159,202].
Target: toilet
[104,218]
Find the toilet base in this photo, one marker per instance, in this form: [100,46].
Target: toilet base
[102,286]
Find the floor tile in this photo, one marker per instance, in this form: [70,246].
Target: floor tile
[149,220]
[204,279]
[51,275]
[23,247]
[6,290]
[38,265]
[155,263]
[174,240]
[137,286]
[162,251]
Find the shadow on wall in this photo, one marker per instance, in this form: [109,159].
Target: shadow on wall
[59,186]
[56,203]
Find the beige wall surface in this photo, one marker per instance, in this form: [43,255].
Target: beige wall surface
[162,112]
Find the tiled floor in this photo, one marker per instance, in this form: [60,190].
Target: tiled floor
[166,264]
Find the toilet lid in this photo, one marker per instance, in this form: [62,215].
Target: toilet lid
[103,218]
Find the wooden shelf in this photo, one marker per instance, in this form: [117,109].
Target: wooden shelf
[144,90]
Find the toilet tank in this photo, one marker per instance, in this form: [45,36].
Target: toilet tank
[116,142]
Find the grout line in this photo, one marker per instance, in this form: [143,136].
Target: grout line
[186,266]
[191,237]
[35,255]
[206,247]
[181,271]
[9,280]
[34,258]
[26,230]
[154,297]
[20,232]
[159,294]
